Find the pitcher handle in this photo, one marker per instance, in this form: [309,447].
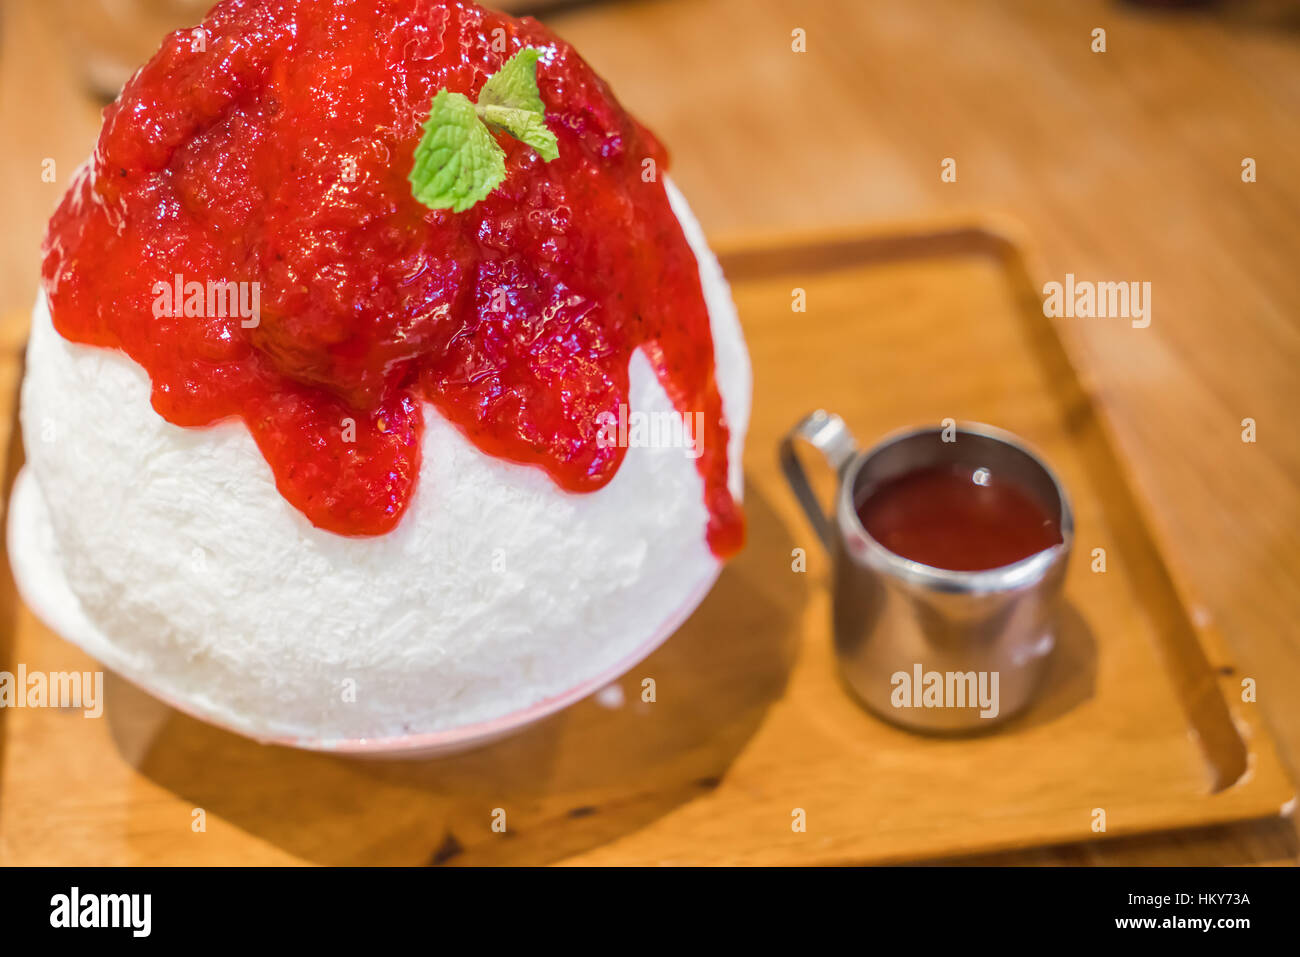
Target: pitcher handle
[827,433]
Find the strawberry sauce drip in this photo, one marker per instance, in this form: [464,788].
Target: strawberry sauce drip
[272,146]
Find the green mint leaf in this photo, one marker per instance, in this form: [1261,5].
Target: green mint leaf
[515,84]
[458,161]
[510,100]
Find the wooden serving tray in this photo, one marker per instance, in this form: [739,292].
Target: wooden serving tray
[1142,715]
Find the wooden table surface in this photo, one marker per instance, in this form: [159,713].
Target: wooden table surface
[1122,165]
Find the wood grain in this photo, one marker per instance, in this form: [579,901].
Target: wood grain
[1123,165]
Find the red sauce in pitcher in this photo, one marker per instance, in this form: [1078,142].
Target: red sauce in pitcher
[959,518]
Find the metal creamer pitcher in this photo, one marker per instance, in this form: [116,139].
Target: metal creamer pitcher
[929,648]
